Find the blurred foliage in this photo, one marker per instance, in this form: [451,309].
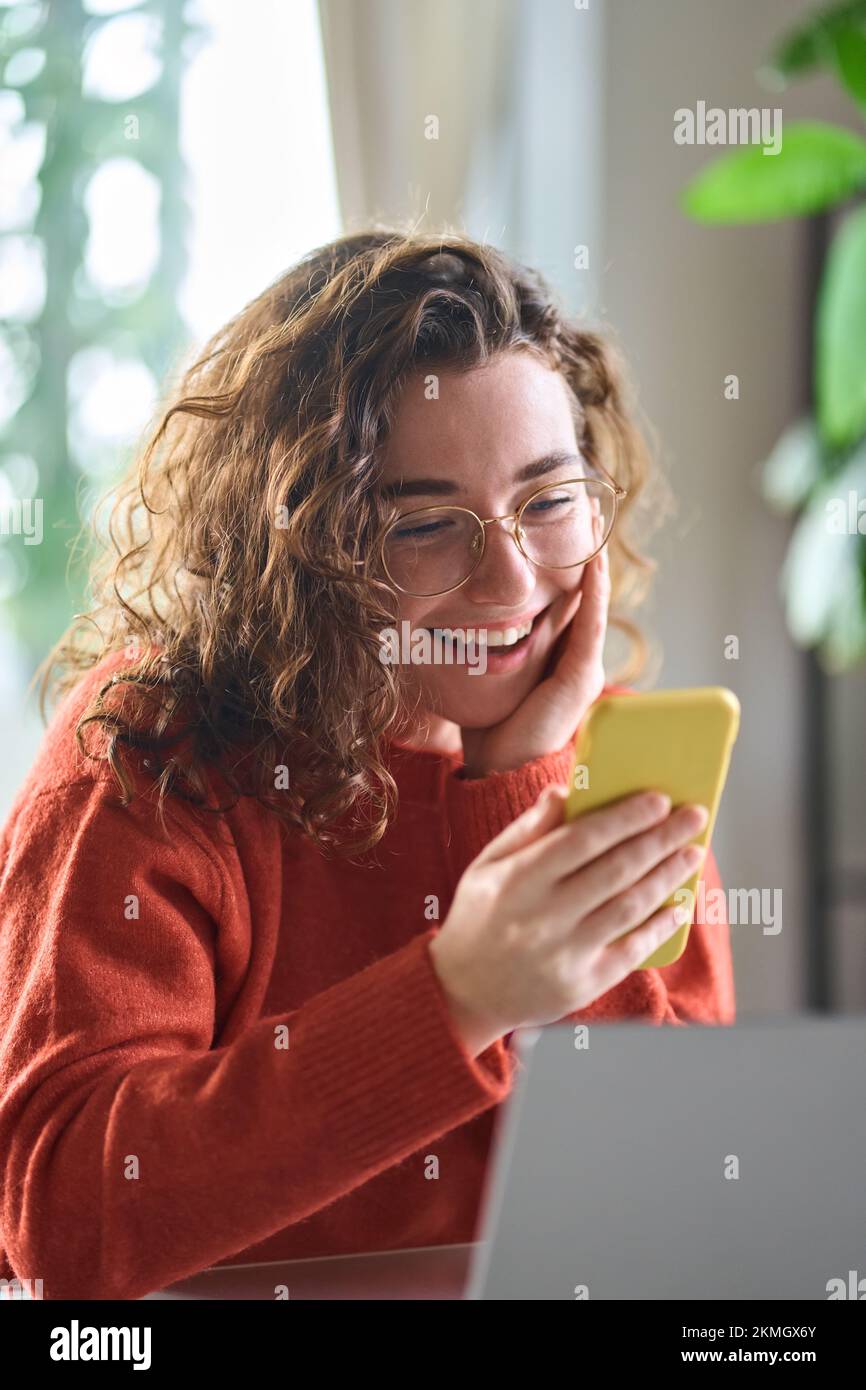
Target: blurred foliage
[818,469]
[42,51]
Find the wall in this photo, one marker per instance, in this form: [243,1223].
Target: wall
[692,304]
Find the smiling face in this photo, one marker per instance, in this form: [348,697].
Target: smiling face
[494,436]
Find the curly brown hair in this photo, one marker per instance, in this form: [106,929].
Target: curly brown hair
[234,574]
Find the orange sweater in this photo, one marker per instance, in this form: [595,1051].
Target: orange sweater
[228,1048]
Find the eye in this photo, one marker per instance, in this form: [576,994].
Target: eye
[546,504]
[557,501]
[421,530]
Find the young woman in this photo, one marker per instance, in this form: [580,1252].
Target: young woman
[274,903]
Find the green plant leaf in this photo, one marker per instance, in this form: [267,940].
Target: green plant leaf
[795,466]
[809,45]
[849,51]
[840,342]
[822,577]
[818,166]
[845,644]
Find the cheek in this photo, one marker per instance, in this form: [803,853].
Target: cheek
[569,584]
[568,600]
[418,612]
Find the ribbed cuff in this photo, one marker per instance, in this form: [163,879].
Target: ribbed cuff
[480,808]
[387,1065]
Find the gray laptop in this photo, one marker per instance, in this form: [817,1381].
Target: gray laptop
[680,1163]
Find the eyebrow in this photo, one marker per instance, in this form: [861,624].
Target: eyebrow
[444,487]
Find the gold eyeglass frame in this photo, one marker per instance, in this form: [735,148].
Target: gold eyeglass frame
[618,494]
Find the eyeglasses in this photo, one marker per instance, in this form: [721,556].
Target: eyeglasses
[433,550]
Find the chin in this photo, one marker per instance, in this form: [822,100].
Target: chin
[477,710]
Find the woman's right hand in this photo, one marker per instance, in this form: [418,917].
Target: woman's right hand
[536,928]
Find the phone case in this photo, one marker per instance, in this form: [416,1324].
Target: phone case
[674,741]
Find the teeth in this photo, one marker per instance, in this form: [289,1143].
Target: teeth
[506,638]
[490,638]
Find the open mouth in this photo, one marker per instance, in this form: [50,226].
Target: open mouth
[493,640]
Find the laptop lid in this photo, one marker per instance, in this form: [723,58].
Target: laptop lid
[642,1162]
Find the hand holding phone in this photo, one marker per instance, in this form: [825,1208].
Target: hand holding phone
[551,914]
[675,741]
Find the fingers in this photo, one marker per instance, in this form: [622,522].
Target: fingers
[578,842]
[577,656]
[589,624]
[621,867]
[631,950]
[529,828]
[633,907]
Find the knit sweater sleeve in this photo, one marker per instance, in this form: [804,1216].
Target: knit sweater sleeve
[133,1150]
[699,987]
[478,808]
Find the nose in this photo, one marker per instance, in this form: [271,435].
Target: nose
[504,575]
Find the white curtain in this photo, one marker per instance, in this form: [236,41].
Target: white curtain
[516,88]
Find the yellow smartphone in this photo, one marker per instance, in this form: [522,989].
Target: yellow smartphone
[673,741]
